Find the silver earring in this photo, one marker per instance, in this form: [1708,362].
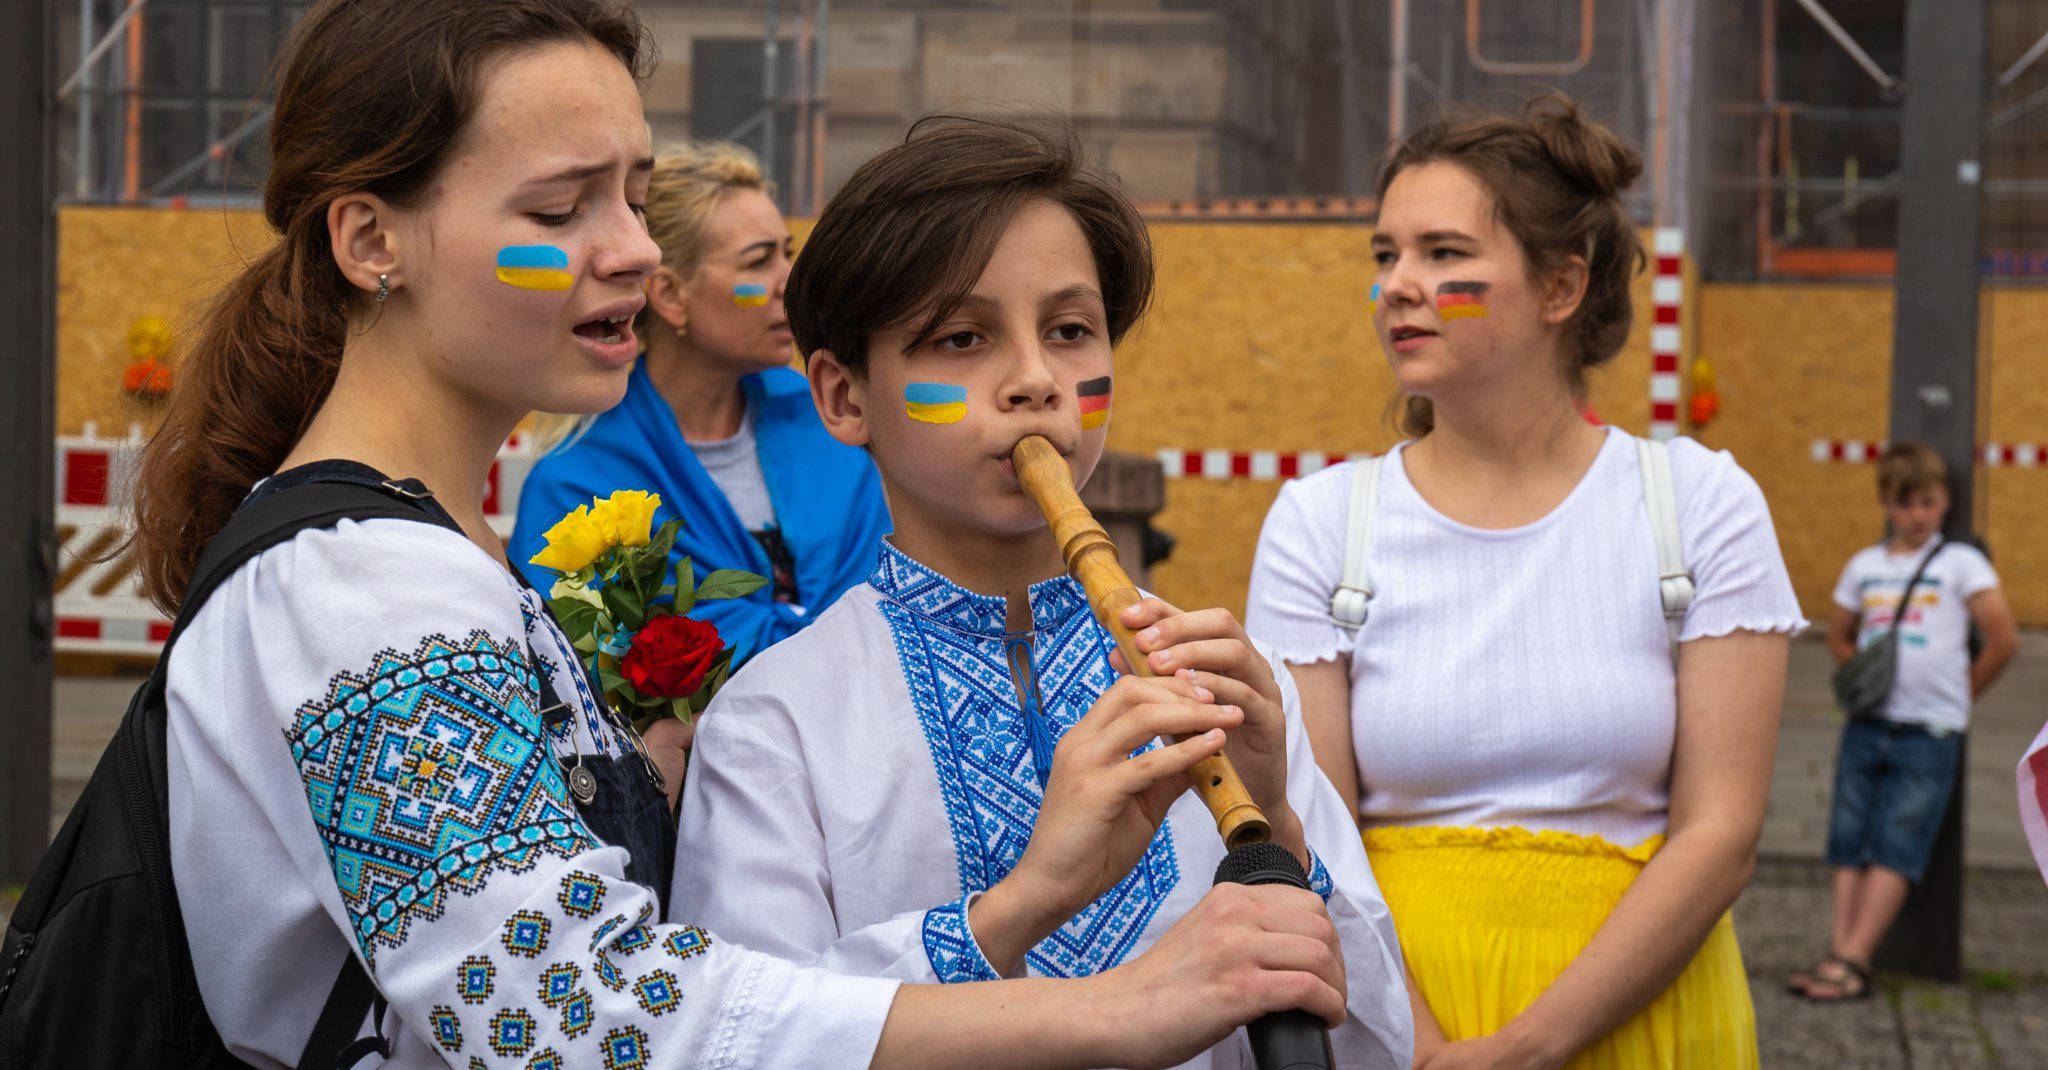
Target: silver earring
[383,288]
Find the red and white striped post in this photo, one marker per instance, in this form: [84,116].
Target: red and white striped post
[1667,335]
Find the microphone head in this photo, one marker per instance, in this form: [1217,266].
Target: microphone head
[1264,862]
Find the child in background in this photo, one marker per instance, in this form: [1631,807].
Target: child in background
[943,777]
[1896,769]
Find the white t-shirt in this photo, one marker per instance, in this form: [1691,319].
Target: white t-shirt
[1520,677]
[1933,684]
[357,765]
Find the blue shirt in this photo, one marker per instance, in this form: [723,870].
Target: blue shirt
[827,496]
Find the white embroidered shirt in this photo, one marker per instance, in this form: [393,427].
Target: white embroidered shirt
[875,771]
[357,766]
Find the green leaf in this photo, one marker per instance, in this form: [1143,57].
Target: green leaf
[730,583]
[685,592]
[577,617]
[608,678]
[680,708]
[585,643]
[627,605]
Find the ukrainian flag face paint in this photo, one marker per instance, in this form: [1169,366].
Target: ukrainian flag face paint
[1461,300]
[1094,397]
[750,295]
[1372,301]
[935,403]
[534,267]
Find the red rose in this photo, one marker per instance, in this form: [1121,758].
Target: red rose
[670,657]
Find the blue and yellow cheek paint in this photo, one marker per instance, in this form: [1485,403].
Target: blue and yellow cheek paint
[534,267]
[1461,300]
[1372,301]
[750,295]
[935,403]
[1094,398]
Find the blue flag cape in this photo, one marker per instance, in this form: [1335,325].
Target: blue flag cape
[827,497]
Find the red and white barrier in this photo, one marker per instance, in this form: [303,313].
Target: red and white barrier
[1667,335]
[98,608]
[1254,464]
[1990,454]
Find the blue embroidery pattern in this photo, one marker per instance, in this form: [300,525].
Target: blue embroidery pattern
[658,992]
[687,942]
[474,979]
[427,773]
[511,1032]
[526,934]
[546,1059]
[950,946]
[447,1027]
[558,983]
[1319,880]
[950,643]
[576,1015]
[625,1048]
[582,894]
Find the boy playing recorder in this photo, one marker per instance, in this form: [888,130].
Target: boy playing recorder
[944,778]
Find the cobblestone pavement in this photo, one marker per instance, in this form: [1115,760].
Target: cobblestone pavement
[1997,1018]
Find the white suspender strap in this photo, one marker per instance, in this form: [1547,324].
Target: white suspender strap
[1674,580]
[1348,604]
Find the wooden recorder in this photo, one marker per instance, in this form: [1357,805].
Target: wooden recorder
[1091,558]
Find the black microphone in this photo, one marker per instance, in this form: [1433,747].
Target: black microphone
[1283,1040]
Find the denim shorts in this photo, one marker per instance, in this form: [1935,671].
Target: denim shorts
[1892,785]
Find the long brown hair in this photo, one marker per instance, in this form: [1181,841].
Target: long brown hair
[371,95]
[1556,179]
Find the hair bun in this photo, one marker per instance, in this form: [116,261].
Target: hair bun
[1588,153]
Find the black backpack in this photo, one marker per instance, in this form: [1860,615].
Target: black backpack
[95,971]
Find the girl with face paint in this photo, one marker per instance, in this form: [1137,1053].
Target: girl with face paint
[369,725]
[1560,796]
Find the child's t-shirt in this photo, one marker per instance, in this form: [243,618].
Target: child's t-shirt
[1933,684]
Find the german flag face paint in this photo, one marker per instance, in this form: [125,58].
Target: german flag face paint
[1094,398]
[935,403]
[1461,300]
[534,267]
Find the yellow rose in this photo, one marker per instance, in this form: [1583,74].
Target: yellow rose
[573,543]
[627,517]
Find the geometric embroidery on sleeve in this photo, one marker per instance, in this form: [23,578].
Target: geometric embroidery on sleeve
[949,945]
[576,1014]
[447,1027]
[426,773]
[526,934]
[582,894]
[657,992]
[558,983]
[687,942]
[1319,880]
[511,1032]
[546,1059]
[474,979]
[625,1048]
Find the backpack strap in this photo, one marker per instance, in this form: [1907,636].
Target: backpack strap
[1350,602]
[271,521]
[1674,580]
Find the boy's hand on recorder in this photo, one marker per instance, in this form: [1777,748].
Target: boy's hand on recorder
[1102,807]
[1209,648]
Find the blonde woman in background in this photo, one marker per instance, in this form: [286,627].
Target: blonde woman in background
[715,421]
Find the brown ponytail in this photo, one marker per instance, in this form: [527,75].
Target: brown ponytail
[1556,179]
[371,95]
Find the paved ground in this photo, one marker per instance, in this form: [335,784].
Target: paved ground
[1997,1018]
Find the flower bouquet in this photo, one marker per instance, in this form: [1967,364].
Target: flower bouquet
[619,606]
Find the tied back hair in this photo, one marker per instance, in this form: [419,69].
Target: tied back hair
[1555,178]
[372,95]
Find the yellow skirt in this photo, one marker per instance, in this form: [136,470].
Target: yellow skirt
[1489,917]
